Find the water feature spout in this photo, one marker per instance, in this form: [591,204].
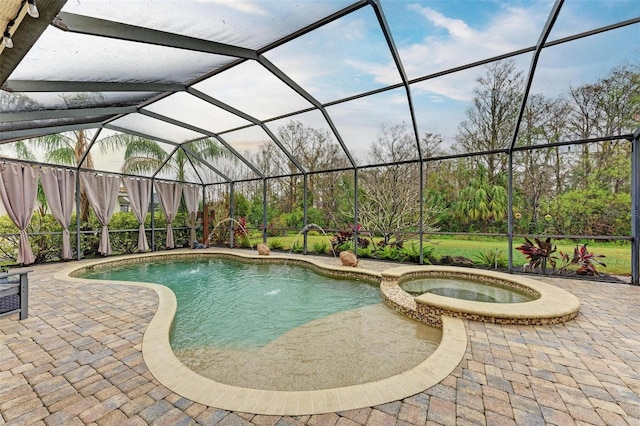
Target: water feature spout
[228,219]
[309,227]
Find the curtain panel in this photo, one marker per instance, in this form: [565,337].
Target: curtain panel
[169,195]
[102,192]
[18,191]
[59,188]
[191,194]
[139,191]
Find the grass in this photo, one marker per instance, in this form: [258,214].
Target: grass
[618,255]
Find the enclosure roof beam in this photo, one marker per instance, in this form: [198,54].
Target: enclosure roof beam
[384,26]
[191,154]
[532,68]
[16,135]
[26,35]
[80,24]
[140,134]
[32,86]
[312,27]
[63,113]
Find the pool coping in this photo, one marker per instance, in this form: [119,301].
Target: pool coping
[170,372]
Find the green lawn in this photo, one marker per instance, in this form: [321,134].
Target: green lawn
[618,255]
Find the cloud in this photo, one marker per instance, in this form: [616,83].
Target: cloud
[244,6]
[453,42]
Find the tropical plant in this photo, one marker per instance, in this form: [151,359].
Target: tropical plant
[275,244]
[492,258]
[388,252]
[366,252]
[585,260]
[539,253]
[297,247]
[483,200]
[411,253]
[240,234]
[345,239]
[65,149]
[320,247]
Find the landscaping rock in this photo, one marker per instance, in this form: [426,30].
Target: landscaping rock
[263,249]
[348,258]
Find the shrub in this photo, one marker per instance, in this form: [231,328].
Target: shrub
[583,258]
[320,247]
[539,253]
[412,253]
[275,244]
[388,253]
[492,259]
[366,252]
[297,247]
[345,238]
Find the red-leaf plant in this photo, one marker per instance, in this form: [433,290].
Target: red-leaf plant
[539,253]
[585,260]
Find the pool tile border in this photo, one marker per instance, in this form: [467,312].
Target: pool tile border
[170,372]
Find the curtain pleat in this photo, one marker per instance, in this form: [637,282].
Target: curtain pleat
[59,189]
[169,195]
[102,192]
[18,190]
[139,191]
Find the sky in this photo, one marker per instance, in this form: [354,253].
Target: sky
[341,59]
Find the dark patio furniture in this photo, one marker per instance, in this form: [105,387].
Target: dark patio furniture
[14,293]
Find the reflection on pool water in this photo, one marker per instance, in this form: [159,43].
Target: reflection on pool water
[465,289]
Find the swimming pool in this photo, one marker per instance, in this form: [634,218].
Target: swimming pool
[231,305]
[281,326]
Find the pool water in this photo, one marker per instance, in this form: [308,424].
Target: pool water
[230,305]
[465,289]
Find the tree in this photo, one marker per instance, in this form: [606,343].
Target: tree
[147,156]
[491,118]
[68,149]
[609,106]
[532,174]
[314,149]
[390,195]
[482,200]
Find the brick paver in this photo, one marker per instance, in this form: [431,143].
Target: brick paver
[77,360]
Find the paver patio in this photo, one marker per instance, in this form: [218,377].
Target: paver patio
[77,360]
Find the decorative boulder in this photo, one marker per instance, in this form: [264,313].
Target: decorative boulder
[348,258]
[263,249]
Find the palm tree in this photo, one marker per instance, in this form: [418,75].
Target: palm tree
[482,200]
[68,149]
[147,156]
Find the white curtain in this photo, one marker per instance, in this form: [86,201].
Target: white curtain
[139,191]
[102,192]
[169,194]
[191,194]
[60,188]
[18,190]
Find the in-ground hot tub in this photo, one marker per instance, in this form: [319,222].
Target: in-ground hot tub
[541,304]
